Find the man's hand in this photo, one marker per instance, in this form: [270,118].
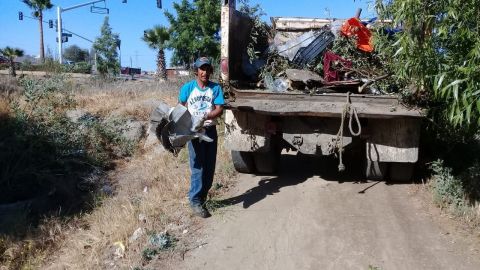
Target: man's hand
[217,111]
[197,123]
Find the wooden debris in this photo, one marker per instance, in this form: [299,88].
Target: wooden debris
[301,78]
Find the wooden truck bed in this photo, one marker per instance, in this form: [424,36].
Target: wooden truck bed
[325,105]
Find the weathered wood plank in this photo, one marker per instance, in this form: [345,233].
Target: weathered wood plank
[303,107]
[393,141]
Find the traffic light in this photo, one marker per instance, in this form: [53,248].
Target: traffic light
[20,16]
[159,3]
[50,24]
[144,33]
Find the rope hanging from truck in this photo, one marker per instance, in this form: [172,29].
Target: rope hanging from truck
[352,113]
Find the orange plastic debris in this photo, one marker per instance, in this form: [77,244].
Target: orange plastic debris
[353,27]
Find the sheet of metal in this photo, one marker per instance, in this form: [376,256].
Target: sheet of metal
[298,23]
[290,48]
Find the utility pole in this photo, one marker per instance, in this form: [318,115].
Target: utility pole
[136,58]
[59,25]
[59,34]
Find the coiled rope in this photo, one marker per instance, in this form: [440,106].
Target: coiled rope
[349,109]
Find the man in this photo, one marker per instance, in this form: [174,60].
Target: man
[204,99]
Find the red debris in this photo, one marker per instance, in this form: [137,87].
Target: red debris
[354,27]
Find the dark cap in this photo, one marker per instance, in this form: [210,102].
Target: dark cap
[202,61]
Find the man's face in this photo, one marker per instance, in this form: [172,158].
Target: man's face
[204,73]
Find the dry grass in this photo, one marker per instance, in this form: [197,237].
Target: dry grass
[152,185]
[153,188]
[130,98]
[8,89]
[4,108]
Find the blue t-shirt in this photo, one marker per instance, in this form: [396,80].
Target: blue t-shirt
[200,101]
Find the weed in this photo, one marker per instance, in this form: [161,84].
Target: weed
[51,165]
[457,192]
[162,241]
[164,205]
[149,253]
[104,138]
[139,268]
[448,189]
[217,186]
[158,242]
[183,156]
[214,205]
[8,86]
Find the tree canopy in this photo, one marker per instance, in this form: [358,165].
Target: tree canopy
[438,52]
[106,48]
[76,54]
[11,54]
[194,30]
[157,38]
[38,6]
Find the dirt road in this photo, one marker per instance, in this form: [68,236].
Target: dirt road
[301,221]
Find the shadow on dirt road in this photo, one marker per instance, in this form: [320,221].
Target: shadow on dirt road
[294,170]
[312,217]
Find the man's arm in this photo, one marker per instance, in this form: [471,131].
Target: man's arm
[216,112]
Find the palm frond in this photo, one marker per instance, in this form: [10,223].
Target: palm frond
[157,37]
[38,5]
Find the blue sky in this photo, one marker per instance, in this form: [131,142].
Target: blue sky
[130,19]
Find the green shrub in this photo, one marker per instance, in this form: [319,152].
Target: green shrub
[82,67]
[460,191]
[49,66]
[55,67]
[44,151]
[448,189]
[438,53]
[103,139]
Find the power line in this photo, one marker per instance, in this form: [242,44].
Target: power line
[78,35]
[66,30]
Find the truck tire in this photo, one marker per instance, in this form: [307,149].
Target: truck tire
[375,170]
[401,171]
[243,161]
[266,163]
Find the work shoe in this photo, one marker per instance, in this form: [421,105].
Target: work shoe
[200,211]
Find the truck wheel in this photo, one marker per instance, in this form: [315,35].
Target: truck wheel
[267,162]
[401,171]
[375,170]
[243,161]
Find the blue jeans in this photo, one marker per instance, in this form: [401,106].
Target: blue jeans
[203,156]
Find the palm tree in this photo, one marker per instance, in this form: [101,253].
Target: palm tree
[11,54]
[38,7]
[157,38]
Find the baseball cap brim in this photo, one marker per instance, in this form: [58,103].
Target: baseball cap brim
[202,61]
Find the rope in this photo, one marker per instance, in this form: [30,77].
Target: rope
[339,140]
[352,112]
